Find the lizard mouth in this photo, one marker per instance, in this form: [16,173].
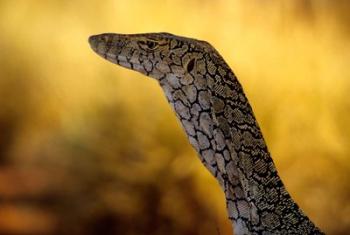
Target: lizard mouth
[122,61]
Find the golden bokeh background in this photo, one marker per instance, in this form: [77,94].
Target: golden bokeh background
[87,147]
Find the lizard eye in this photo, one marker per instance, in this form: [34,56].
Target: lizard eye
[149,45]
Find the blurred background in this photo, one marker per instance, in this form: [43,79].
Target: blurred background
[87,147]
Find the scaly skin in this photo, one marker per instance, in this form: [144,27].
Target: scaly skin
[220,124]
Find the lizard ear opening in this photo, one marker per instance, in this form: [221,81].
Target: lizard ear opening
[191,65]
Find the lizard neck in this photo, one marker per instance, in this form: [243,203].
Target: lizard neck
[221,126]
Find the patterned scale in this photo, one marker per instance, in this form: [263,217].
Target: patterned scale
[219,122]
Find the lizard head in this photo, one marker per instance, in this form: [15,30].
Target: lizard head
[157,55]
